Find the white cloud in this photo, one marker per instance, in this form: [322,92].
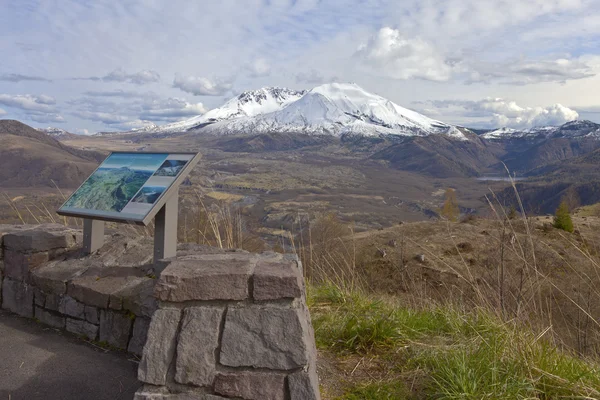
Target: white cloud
[171,109]
[39,103]
[104,117]
[134,112]
[139,78]
[259,68]
[20,77]
[314,77]
[391,54]
[2,112]
[202,86]
[522,71]
[47,118]
[498,112]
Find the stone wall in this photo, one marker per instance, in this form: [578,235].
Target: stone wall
[44,275]
[208,325]
[230,326]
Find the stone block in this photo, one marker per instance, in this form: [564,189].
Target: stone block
[160,346]
[208,277]
[148,392]
[71,307]
[52,277]
[17,297]
[97,290]
[49,318]
[82,328]
[140,299]
[92,315]
[264,337]
[251,385]
[139,335]
[36,240]
[52,301]
[304,385]
[276,280]
[115,328]
[39,298]
[197,345]
[17,264]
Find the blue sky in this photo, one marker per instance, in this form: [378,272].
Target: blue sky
[89,66]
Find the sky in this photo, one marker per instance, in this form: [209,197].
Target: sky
[88,66]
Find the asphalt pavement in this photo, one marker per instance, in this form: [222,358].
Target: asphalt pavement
[38,362]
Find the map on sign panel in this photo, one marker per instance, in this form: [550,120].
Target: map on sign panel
[126,186]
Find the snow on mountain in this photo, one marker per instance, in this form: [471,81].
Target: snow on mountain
[338,109]
[333,109]
[54,132]
[247,104]
[572,129]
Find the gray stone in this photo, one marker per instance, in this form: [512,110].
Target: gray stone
[82,328]
[139,335]
[276,280]
[39,298]
[53,276]
[304,385]
[140,299]
[160,346]
[17,297]
[49,318]
[208,277]
[37,240]
[115,328]
[92,315]
[71,307]
[148,392]
[17,264]
[97,291]
[197,345]
[251,385]
[52,301]
[264,337]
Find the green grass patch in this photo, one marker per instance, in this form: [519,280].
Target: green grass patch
[461,355]
[378,391]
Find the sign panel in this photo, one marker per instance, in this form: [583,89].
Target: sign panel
[128,186]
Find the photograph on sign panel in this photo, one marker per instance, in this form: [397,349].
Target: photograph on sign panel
[170,168]
[116,181]
[149,194]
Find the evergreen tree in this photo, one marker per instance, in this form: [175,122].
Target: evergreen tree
[562,218]
[450,209]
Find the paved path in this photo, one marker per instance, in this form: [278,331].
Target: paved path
[37,362]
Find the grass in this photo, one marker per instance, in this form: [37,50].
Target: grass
[455,354]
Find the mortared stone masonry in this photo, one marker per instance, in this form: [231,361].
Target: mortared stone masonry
[208,325]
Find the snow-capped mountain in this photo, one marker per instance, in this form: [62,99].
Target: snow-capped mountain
[332,109]
[54,132]
[572,129]
[247,104]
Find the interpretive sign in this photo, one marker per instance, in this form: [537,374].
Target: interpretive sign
[132,188]
[126,187]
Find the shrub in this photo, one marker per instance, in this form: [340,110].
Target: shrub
[562,218]
[450,209]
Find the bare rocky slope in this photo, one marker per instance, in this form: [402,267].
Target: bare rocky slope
[30,158]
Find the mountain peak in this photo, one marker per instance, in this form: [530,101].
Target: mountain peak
[329,109]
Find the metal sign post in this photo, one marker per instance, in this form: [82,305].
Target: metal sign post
[93,235]
[165,229]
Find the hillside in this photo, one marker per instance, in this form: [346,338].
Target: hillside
[30,158]
[425,310]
